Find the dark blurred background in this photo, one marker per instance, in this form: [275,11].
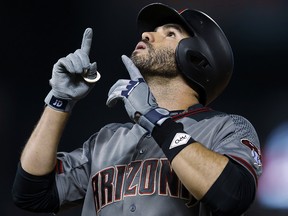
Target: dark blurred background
[35,34]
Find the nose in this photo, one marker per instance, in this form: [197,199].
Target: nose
[148,36]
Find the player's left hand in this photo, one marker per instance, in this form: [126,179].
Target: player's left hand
[139,102]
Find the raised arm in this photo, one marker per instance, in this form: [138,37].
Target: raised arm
[68,86]
[73,77]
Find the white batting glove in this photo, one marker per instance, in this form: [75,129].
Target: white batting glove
[73,77]
[139,102]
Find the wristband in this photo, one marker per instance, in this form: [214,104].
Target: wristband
[59,103]
[171,137]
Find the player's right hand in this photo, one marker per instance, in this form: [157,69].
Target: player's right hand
[73,77]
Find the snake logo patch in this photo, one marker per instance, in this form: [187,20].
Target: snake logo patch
[255,152]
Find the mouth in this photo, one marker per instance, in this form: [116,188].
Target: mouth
[140,46]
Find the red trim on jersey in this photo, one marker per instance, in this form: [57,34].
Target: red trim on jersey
[191,112]
[59,167]
[247,165]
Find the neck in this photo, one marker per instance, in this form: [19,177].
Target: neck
[172,93]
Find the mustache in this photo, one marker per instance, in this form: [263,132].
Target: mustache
[147,44]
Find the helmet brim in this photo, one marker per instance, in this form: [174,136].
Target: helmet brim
[156,14]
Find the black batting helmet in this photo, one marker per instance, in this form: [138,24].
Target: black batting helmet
[205,58]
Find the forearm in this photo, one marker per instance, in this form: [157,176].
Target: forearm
[195,165]
[198,168]
[39,154]
[224,185]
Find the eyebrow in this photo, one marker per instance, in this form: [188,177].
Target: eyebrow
[171,25]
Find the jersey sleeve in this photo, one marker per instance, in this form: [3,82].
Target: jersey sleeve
[72,173]
[241,144]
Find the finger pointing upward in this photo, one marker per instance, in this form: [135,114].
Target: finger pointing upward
[131,68]
[87,40]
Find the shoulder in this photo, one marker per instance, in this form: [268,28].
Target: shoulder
[209,115]
[218,124]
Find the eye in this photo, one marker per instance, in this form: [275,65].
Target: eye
[171,34]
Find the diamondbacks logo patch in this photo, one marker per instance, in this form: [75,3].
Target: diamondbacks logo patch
[255,152]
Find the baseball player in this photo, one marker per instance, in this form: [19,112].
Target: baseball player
[177,156]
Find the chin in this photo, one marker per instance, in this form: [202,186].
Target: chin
[138,56]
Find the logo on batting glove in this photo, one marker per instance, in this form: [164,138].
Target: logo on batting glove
[179,139]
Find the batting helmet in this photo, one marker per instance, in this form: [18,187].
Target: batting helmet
[205,58]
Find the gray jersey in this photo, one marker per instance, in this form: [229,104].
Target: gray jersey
[122,171]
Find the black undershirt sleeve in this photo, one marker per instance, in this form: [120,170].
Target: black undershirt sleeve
[233,192]
[35,193]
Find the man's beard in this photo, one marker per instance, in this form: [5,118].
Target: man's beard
[160,62]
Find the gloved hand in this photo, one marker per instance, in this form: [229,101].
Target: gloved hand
[73,77]
[139,102]
[142,108]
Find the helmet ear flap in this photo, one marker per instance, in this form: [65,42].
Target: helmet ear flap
[206,67]
[192,59]
[196,60]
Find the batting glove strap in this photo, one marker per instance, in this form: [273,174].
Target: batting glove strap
[171,137]
[59,104]
[154,117]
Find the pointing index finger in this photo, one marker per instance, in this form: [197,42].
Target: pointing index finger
[131,68]
[87,40]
